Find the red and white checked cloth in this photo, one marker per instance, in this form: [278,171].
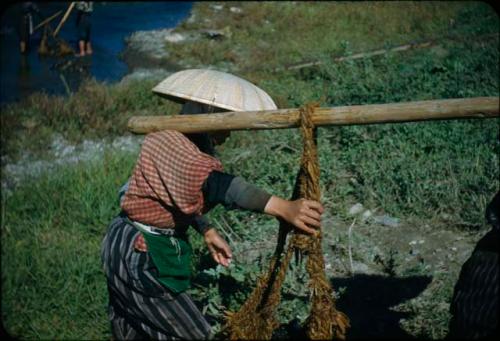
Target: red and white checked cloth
[165,187]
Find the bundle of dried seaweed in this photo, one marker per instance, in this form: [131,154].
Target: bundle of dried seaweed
[256,319]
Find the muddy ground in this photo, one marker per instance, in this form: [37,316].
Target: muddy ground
[392,280]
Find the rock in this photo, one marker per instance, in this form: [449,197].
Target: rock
[236,10]
[360,268]
[386,220]
[366,214]
[213,34]
[356,209]
[216,7]
[175,37]
[446,216]
[217,34]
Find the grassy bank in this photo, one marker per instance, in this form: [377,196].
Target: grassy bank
[436,177]
[52,284]
[96,110]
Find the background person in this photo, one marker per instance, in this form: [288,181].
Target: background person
[28,9]
[84,11]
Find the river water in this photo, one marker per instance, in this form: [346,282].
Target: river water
[112,22]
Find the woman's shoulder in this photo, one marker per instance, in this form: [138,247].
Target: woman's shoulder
[165,134]
[168,139]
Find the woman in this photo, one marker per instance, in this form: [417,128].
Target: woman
[175,181]
[28,9]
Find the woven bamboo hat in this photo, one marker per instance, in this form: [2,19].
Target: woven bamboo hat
[215,88]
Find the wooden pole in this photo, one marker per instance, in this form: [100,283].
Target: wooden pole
[459,108]
[360,55]
[64,18]
[45,21]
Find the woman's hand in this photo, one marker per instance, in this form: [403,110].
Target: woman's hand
[218,247]
[303,214]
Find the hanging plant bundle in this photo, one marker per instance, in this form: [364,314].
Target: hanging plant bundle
[256,318]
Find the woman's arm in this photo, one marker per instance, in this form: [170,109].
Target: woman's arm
[235,192]
[303,214]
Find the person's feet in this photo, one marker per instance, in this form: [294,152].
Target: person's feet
[85,49]
[81,46]
[22,47]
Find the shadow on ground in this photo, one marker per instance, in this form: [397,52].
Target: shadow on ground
[367,301]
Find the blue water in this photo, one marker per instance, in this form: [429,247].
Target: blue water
[112,22]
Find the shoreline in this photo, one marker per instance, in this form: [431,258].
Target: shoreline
[145,59]
[146,52]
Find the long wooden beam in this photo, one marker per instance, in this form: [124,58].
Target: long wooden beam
[46,21]
[64,18]
[459,108]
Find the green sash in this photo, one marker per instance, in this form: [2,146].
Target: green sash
[172,256]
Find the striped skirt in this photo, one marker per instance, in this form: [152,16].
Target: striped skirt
[140,306]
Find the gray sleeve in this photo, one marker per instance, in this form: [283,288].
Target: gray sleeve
[201,224]
[244,195]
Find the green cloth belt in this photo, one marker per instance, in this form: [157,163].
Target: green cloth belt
[172,256]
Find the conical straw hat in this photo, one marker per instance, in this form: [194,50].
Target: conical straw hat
[215,88]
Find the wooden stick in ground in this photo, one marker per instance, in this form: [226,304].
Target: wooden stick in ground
[459,108]
[361,55]
[405,47]
[47,20]
[64,18]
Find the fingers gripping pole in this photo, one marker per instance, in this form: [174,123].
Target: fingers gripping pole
[256,318]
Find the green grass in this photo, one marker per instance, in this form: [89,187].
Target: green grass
[266,35]
[52,283]
[437,173]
